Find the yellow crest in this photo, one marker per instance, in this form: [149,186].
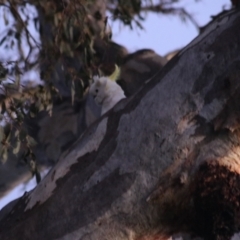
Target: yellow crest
[115,75]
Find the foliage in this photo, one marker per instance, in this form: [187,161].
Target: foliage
[129,12]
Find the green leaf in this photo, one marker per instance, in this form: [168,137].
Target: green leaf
[38,176]
[2,135]
[49,109]
[16,134]
[3,40]
[4,155]
[32,115]
[17,148]
[31,141]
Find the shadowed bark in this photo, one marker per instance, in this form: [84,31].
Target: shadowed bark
[163,161]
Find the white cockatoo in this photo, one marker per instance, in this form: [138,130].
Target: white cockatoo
[105,91]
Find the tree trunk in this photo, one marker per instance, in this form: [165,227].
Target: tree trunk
[161,162]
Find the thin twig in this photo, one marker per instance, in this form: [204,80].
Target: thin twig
[159,8]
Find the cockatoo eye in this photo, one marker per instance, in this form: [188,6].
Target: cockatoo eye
[96,90]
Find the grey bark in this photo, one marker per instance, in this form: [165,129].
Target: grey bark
[134,174]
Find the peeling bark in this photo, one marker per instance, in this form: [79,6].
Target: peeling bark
[154,164]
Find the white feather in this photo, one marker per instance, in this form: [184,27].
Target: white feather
[105,92]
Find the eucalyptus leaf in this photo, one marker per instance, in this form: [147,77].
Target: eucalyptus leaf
[4,155]
[2,134]
[17,148]
[38,176]
[31,141]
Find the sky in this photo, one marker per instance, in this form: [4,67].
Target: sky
[162,34]
[167,33]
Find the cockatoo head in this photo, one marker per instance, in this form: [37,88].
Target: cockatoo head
[98,89]
[105,91]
